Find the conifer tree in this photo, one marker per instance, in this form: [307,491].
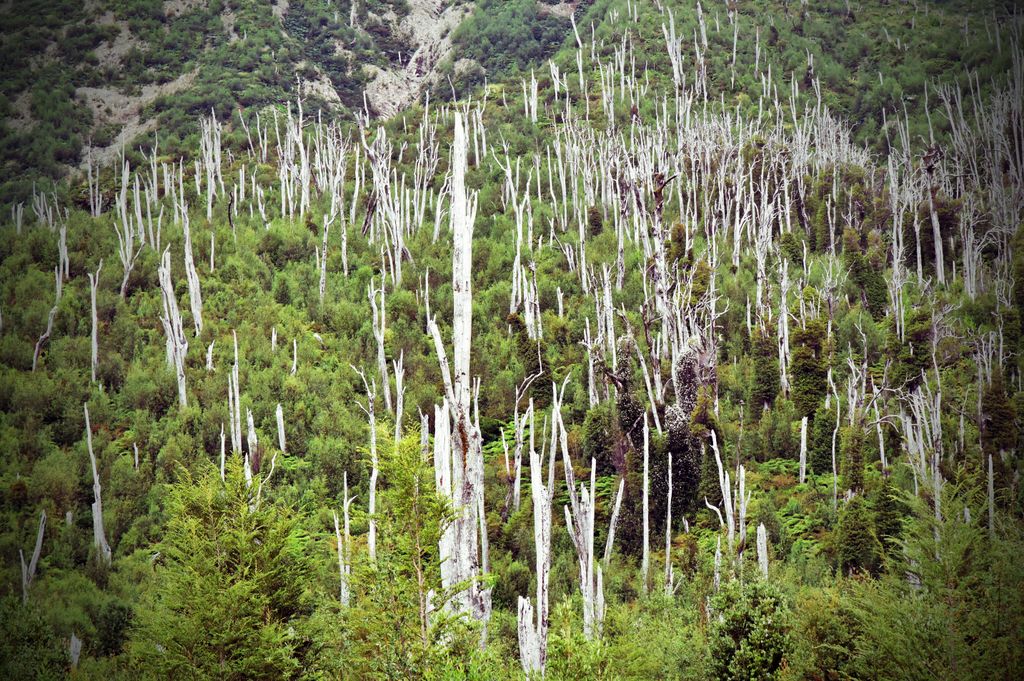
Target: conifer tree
[229,593]
[820,439]
[889,514]
[766,369]
[808,367]
[999,419]
[855,545]
[749,635]
[853,458]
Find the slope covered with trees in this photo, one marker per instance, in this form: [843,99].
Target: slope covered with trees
[685,346]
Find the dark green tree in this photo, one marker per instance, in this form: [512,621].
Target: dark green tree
[685,450]
[29,648]
[749,634]
[999,419]
[385,633]
[855,545]
[230,590]
[889,514]
[866,277]
[819,439]
[600,436]
[766,369]
[853,458]
[808,367]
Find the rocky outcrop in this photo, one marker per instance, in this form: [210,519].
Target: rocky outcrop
[429,26]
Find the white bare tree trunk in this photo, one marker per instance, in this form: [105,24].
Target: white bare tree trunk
[379,326]
[45,337]
[609,544]
[940,267]
[74,649]
[235,401]
[803,450]
[99,537]
[533,635]
[253,446]
[127,252]
[371,396]
[177,345]
[399,369]
[195,295]
[223,453]
[458,450]
[344,547]
[725,485]
[762,550]
[279,413]
[94,280]
[323,259]
[28,572]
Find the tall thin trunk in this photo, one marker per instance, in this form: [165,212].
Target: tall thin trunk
[99,537]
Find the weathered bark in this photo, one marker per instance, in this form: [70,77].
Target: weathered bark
[45,337]
[127,252]
[235,401]
[195,296]
[458,449]
[579,521]
[94,280]
[379,326]
[223,453]
[279,413]
[762,550]
[344,548]
[28,572]
[253,447]
[74,649]
[368,409]
[533,635]
[399,369]
[177,345]
[803,450]
[725,486]
[323,259]
[99,537]
[610,543]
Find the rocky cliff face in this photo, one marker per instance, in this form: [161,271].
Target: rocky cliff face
[99,76]
[428,30]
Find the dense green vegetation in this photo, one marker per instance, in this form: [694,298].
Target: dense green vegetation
[873,570]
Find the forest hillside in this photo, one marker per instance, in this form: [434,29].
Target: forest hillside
[511,339]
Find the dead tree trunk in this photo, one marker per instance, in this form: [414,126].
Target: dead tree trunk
[762,550]
[99,537]
[459,460]
[803,450]
[379,325]
[177,345]
[28,572]
[368,409]
[45,337]
[195,296]
[533,635]
[94,280]
[344,547]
